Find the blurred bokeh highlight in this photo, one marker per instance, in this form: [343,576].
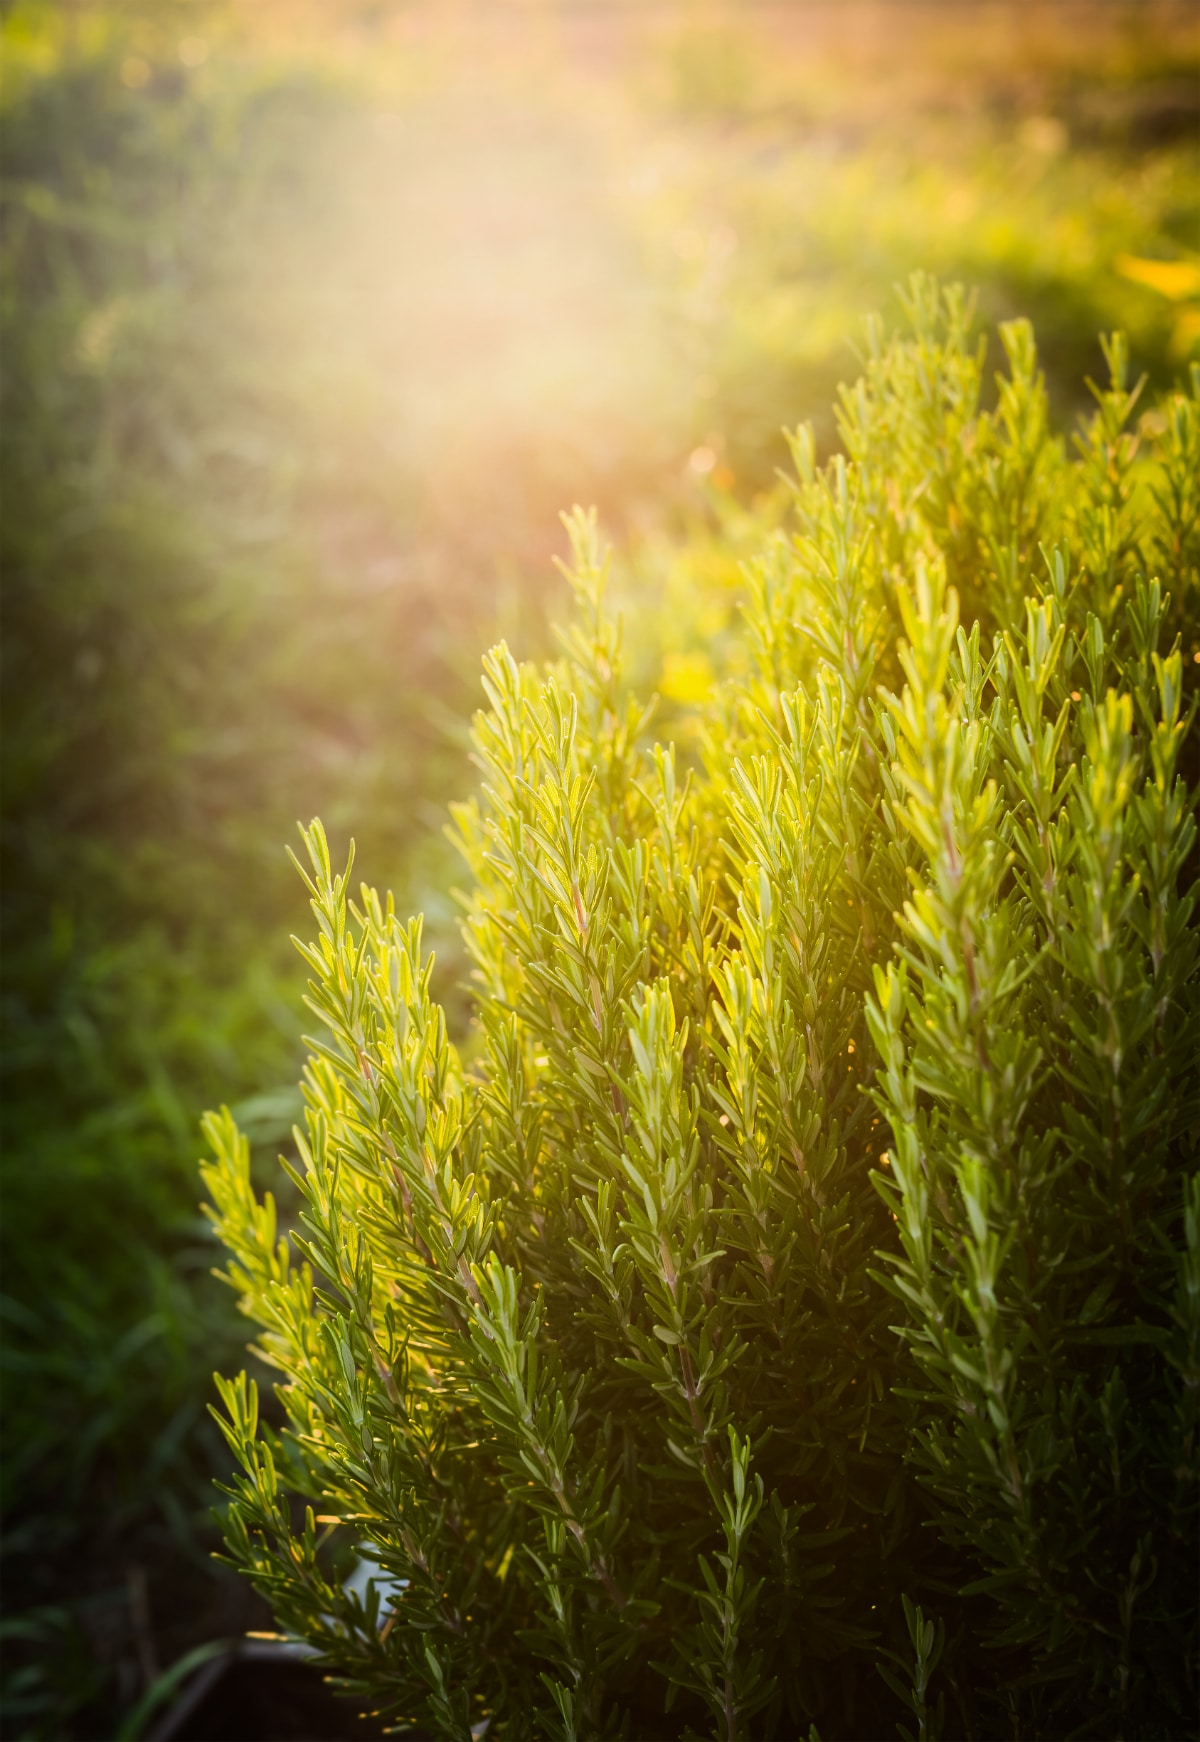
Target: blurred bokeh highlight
[312,318]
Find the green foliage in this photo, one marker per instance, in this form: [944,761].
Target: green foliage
[1057,175]
[272,447]
[784,1309]
[158,603]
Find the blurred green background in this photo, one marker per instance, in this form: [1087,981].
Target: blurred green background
[312,317]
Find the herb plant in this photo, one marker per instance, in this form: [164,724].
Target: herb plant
[782,1309]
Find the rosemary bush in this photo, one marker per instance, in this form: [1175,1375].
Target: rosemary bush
[783,1310]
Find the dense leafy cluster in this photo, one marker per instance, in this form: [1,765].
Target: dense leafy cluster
[784,1308]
